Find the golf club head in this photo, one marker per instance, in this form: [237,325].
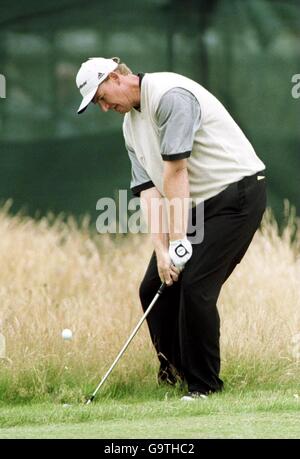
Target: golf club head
[89,400]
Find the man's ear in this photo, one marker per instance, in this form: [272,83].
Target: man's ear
[115,77]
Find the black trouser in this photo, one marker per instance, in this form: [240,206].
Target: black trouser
[184,324]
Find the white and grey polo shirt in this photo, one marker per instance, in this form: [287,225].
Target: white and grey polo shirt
[179,119]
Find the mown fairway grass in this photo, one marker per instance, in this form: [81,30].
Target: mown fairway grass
[251,414]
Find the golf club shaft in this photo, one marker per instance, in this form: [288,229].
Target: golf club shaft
[159,292]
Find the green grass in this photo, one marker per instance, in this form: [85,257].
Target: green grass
[245,414]
[47,384]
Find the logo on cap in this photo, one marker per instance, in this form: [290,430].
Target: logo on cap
[83,84]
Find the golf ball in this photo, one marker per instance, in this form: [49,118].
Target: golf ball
[67,334]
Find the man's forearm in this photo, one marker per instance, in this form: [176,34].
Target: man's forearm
[155,215]
[153,207]
[176,190]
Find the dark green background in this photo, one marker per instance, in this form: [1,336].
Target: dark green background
[244,51]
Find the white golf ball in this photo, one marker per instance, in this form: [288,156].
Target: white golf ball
[67,334]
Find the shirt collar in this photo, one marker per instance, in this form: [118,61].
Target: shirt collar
[141,76]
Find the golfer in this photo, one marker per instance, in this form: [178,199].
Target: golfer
[183,145]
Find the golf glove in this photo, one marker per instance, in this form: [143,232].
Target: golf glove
[180,252]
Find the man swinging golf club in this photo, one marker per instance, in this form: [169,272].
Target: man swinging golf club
[183,144]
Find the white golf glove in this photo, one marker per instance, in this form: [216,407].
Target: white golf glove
[180,252]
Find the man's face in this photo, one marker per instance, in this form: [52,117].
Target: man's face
[112,94]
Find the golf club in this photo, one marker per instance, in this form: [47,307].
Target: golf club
[159,292]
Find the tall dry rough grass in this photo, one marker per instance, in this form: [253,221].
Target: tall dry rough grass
[56,275]
[260,307]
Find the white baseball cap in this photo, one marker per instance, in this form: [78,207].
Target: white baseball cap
[91,73]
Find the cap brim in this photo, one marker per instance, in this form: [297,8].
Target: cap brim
[86,100]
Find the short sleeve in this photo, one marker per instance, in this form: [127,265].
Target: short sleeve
[178,118]
[140,180]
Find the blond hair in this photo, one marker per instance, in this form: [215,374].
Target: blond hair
[122,68]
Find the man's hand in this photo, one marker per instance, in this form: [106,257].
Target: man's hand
[168,273]
[180,252]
